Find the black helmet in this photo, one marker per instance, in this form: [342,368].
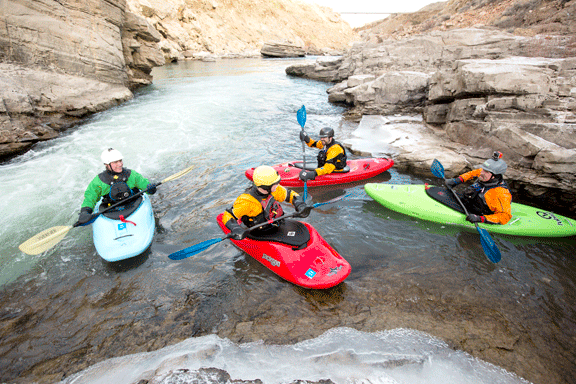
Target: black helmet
[326,132]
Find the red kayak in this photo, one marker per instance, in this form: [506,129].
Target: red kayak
[297,253]
[355,170]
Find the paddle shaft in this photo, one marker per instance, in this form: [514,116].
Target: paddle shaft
[459,202]
[301,117]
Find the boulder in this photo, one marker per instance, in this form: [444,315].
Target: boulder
[282,49]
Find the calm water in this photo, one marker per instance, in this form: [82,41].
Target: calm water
[418,294]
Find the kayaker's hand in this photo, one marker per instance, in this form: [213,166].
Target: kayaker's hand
[151,188]
[307,175]
[475,218]
[451,183]
[84,217]
[238,233]
[304,137]
[302,209]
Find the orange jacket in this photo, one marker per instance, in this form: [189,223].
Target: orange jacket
[498,200]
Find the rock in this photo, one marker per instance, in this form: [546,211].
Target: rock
[324,69]
[41,103]
[279,49]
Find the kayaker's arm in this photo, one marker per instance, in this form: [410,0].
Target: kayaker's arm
[93,193]
[245,205]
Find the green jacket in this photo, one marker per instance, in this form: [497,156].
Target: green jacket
[100,185]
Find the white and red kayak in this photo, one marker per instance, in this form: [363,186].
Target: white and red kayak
[297,253]
[355,170]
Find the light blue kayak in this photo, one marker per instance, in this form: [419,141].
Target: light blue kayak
[118,238]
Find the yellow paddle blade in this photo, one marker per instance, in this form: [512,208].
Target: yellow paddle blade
[179,174]
[44,240]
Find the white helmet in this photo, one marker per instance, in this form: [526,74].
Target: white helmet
[110,155]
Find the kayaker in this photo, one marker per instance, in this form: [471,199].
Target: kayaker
[332,156]
[114,184]
[488,200]
[260,203]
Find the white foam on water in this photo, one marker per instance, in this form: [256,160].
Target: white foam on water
[343,355]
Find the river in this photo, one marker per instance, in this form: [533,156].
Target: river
[422,304]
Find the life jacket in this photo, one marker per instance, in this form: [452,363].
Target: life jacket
[119,190]
[271,209]
[339,161]
[475,195]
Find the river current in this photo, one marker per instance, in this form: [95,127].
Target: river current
[422,304]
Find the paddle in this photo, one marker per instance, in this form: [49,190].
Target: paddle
[301,117]
[197,248]
[48,238]
[490,249]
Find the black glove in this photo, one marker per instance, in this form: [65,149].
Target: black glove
[151,188]
[302,209]
[84,217]
[237,232]
[451,183]
[307,175]
[304,137]
[475,218]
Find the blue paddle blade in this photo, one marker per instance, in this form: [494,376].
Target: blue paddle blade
[194,249]
[490,249]
[437,169]
[301,116]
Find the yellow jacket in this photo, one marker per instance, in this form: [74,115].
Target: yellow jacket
[249,207]
[332,153]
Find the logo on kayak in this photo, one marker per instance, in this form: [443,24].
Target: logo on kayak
[310,273]
[334,271]
[121,226]
[274,262]
[291,234]
[549,216]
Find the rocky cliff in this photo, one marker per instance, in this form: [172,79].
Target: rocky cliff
[64,60]
[232,28]
[474,90]
[61,61]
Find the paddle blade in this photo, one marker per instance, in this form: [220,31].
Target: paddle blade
[490,249]
[178,175]
[437,169]
[194,249]
[44,240]
[301,116]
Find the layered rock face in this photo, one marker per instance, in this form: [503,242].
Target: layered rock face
[477,90]
[62,61]
[239,28]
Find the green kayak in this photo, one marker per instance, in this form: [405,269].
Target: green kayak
[413,200]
